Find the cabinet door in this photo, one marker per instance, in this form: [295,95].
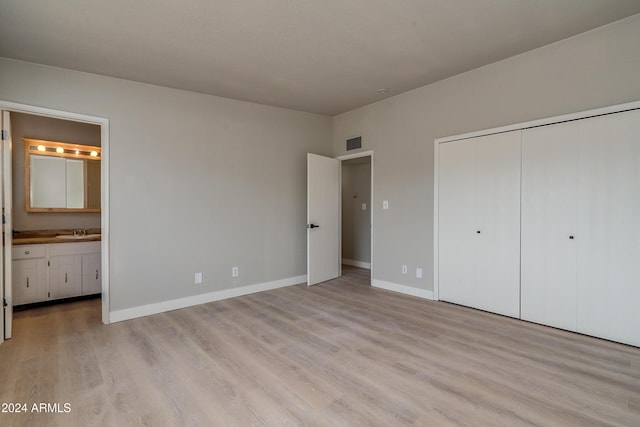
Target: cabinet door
[497,223]
[549,209]
[609,227]
[91,277]
[64,279]
[28,281]
[456,213]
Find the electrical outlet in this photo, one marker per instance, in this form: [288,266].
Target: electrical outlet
[198,278]
[364,206]
[419,273]
[404,269]
[235,272]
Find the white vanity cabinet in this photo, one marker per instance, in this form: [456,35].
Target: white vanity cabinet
[53,271]
[91,274]
[65,269]
[29,268]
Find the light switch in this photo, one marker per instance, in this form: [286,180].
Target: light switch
[419,273]
[198,278]
[364,206]
[385,204]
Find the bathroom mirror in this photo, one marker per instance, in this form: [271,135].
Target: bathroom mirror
[61,177]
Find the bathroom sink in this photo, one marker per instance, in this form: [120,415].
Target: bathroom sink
[72,237]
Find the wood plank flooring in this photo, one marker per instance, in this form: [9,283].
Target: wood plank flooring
[335,354]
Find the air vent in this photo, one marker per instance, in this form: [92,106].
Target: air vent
[353,143]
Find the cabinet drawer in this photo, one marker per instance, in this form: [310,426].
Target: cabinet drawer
[75,248]
[27,251]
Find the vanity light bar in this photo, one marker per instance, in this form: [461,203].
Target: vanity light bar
[59,150]
[54,148]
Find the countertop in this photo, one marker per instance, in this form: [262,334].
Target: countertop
[34,237]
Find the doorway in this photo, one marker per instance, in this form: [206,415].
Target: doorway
[357,210]
[103,132]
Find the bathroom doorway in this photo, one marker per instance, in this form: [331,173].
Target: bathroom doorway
[36,123]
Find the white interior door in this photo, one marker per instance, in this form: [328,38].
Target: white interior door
[497,206]
[456,226]
[6,319]
[549,225]
[609,227]
[479,223]
[323,219]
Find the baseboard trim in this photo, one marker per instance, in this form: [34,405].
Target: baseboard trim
[354,263]
[175,304]
[403,289]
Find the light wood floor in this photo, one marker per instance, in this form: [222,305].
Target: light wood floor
[336,354]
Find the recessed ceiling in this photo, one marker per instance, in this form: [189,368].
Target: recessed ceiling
[320,56]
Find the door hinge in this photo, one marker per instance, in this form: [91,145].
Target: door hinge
[48,294]
[5,135]
[4,302]
[48,263]
[4,219]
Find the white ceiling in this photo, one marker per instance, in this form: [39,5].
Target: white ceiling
[323,56]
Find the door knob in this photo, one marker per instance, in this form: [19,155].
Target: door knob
[313,226]
[571,237]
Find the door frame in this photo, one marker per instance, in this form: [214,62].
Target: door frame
[6,292]
[342,158]
[104,177]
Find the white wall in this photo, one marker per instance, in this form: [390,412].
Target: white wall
[591,70]
[198,183]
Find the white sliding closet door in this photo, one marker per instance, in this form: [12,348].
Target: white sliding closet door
[479,222]
[498,223]
[457,222]
[549,224]
[609,227]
